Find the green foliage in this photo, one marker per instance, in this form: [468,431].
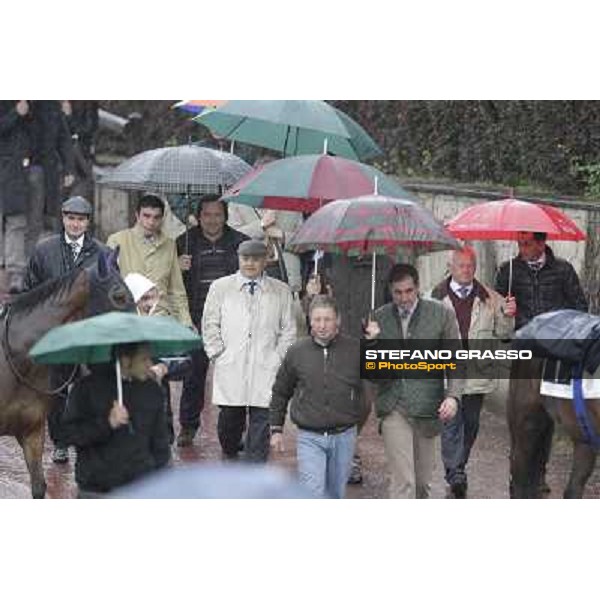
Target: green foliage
[509,143]
[591,176]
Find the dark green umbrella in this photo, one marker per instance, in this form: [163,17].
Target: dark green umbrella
[291,127]
[92,340]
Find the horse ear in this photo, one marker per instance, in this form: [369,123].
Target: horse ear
[103,267]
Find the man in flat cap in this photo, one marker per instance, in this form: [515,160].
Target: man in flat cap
[247,327]
[54,257]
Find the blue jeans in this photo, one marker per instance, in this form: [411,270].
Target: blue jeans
[325,461]
[458,437]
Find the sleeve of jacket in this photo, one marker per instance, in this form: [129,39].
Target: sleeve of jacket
[65,146]
[8,121]
[112,241]
[451,333]
[211,323]
[573,290]
[159,442]
[244,219]
[283,389]
[34,275]
[177,293]
[503,324]
[287,325]
[80,425]
[501,283]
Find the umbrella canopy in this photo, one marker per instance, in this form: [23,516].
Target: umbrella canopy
[291,127]
[92,340]
[374,223]
[305,183]
[195,107]
[186,169]
[506,219]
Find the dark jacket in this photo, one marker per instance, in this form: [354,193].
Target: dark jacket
[15,147]
[210,261]
[327,381]
[51,148]
[106,457]
[553,287]
[53,258]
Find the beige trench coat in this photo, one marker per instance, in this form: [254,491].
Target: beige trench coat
[487,322]
[247,337]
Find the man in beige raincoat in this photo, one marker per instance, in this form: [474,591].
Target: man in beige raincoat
[146,249]
[247,327]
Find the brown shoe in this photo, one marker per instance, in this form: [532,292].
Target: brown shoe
[186,437]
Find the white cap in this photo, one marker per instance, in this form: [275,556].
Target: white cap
[138,285]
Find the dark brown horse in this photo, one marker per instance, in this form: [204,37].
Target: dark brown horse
[531,419]
[24,386]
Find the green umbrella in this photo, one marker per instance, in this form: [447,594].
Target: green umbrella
[92,340]
[291,127]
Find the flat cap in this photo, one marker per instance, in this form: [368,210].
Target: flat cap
[252,248]
[78,205]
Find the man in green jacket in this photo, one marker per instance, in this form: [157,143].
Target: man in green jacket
[322,374]
[412,410]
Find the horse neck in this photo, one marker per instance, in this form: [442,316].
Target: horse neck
[27,328]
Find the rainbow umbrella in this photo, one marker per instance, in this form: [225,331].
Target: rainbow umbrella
[195,107]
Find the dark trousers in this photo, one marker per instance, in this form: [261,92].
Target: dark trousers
[231,425]
[192,395]
[458,437]
[166,388]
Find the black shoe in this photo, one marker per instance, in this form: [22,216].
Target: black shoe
[458,491]
[60,456]
[186,437]
[544,488]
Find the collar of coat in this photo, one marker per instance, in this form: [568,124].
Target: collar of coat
[550,258]
[442,290]
[88,240]
[159,238]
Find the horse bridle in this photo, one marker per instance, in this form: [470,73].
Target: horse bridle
[19,376]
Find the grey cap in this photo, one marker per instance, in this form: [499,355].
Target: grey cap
[252,248]
[78,205]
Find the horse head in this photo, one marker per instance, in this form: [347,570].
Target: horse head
[108,291]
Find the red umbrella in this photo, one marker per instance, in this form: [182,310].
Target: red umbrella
[508,219]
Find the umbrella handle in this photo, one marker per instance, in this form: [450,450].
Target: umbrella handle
[119,382]
[373,272]
[510,276]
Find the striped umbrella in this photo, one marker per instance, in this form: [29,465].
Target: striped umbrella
[305,183]
[375,224]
